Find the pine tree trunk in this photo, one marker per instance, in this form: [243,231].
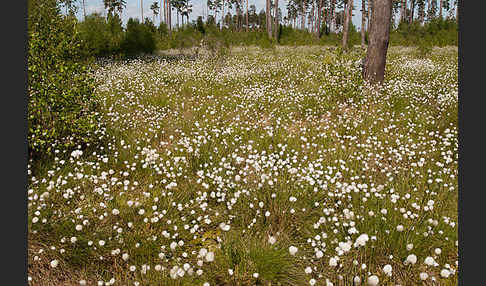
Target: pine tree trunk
[247,15]
[303,16]
[141,6]
[319,11]
[348,15]
[440,9]
[222,17]
[403,10]
[276,20]
[412,10]
[374,66]
[363,23]
[370,9]
[333,16]
[84,10]
[169,6]
[268,19]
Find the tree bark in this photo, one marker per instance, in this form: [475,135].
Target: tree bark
[319,11]
[363,23]
[374,66]
[169,6]
[141,6]
[84,10]
[348,15]
[412,10]
[222,17]
[370,8]
[276,20]
[440,9]
[247,15]
[333,16]
[268,19]
[403,10]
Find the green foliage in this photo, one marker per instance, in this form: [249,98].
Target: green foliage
[138,38]
[438,32]
[61,106]
[101,37]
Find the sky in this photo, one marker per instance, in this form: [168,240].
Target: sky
[133,9]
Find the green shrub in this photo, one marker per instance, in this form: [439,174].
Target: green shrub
[139,38]
[61,105]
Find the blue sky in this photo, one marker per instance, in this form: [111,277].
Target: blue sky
[133,9]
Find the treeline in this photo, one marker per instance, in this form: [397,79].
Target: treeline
[107,36]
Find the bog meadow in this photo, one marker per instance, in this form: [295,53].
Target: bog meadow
[256,152]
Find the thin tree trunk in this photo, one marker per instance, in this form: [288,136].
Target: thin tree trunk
[141,8]
[403,10]
[370,8]
[363,23]
[276,19]
[269,20]
[374,66]
[222,17]
[440,9]
[319,8]
[333,16]
[169,6]
[412,10]
[312,17]
[84,10]
[303,16]
[246,15]
[348,13]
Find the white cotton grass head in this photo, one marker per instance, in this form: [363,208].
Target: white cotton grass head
[445,273]
[333,262]
[357,280]
[308,270]
[293,250]
[387,269]
[210,256]
[429,261]
[373,280]
[361,240]
[272,239]
[411,259]
[54,263]
[423,276]
[202,252]
[312,282]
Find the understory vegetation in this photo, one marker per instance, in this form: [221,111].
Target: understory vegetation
[257,167]
[104,37]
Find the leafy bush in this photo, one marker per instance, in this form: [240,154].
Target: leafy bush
[139,38]
[61,106]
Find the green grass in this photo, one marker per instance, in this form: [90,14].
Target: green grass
[300,117]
